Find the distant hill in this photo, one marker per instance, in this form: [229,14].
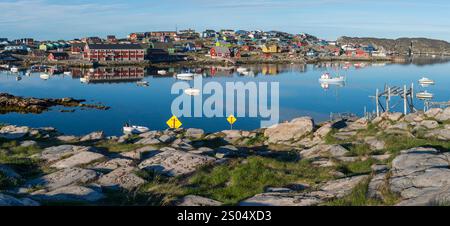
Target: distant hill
[401,45]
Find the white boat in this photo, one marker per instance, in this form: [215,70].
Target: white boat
[327,78]
[185,75]
[68,73]
[162,72]
[426,81]
[14,69]
[241,70]
[142,83]
[44,76]
[28,73]
[192,92]
[424,95]
[127,129]
[84,80]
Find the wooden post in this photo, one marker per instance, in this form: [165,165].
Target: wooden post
[405,111]
[376,103]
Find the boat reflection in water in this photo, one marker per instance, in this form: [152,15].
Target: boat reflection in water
[327,85]
[111,75]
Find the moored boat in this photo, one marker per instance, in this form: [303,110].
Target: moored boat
[132,129]
[142,83]
[14,69]
[424,95]
[327,78]
[426,81]
[162,72]
[185,75]
[44,76]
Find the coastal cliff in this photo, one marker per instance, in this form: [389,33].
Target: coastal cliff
[390,160]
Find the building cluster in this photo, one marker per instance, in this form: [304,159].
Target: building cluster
[166,46]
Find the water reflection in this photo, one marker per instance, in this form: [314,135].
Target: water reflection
[109,75]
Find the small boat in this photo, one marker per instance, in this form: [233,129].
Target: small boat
[162,72]
[327,78]
[127,129]
[424,95]
[142,83]
[14,69]
[185,75]
[192,92]
[241,70]
[84,80]
[44,76]
[426,81]
[28,73]
[68,73]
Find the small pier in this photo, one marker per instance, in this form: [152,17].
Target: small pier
[404,95]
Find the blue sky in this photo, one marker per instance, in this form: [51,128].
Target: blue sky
[52,19]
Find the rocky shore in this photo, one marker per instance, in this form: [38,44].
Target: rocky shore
[10,103]
[390,160]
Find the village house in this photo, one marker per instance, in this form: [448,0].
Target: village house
[77,48]
[114,52]
[17,48]
[221,52]
[271,48]
[92,40]
[166,46]
[57,56]
[111,39]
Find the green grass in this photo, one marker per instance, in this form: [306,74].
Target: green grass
[237,180]
[19,158]
[395,144]
[258,139]
[357,168]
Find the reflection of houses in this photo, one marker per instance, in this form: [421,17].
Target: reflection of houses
[114,52]
[114,75]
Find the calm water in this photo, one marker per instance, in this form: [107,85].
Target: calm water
[300,94]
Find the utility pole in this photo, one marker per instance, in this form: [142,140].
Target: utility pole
[376,103]
[404,100]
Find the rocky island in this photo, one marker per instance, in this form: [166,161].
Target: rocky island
[394,159]
[10,103]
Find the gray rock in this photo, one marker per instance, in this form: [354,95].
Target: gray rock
[421,176]
[288,131]
[443,116]
[203,150]
[166,138]
[379,168]
[195,133]
[324,151]
[72,193]
[174,162]
[344,135]
[439,134]
[123,178]
[63,178]
[432,113]
[381,157]
[13,132]
[374,143]
[141,153]
[81,158]
[282,199]
[55,153]
[113,164]
[194,200]
[28,143]
[429,124]
[393,116]
[278,190]
[414,117]
[67,138]
[323,131]
[94,136]
[7,200]
[149,141]
[399,126]
[342,187]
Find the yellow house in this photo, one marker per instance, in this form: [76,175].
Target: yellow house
[273,48]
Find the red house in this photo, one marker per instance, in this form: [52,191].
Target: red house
[58,56]
[114,52]
[218,51]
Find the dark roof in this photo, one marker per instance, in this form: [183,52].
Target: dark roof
[115,46]
[163,45]
[59,54]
